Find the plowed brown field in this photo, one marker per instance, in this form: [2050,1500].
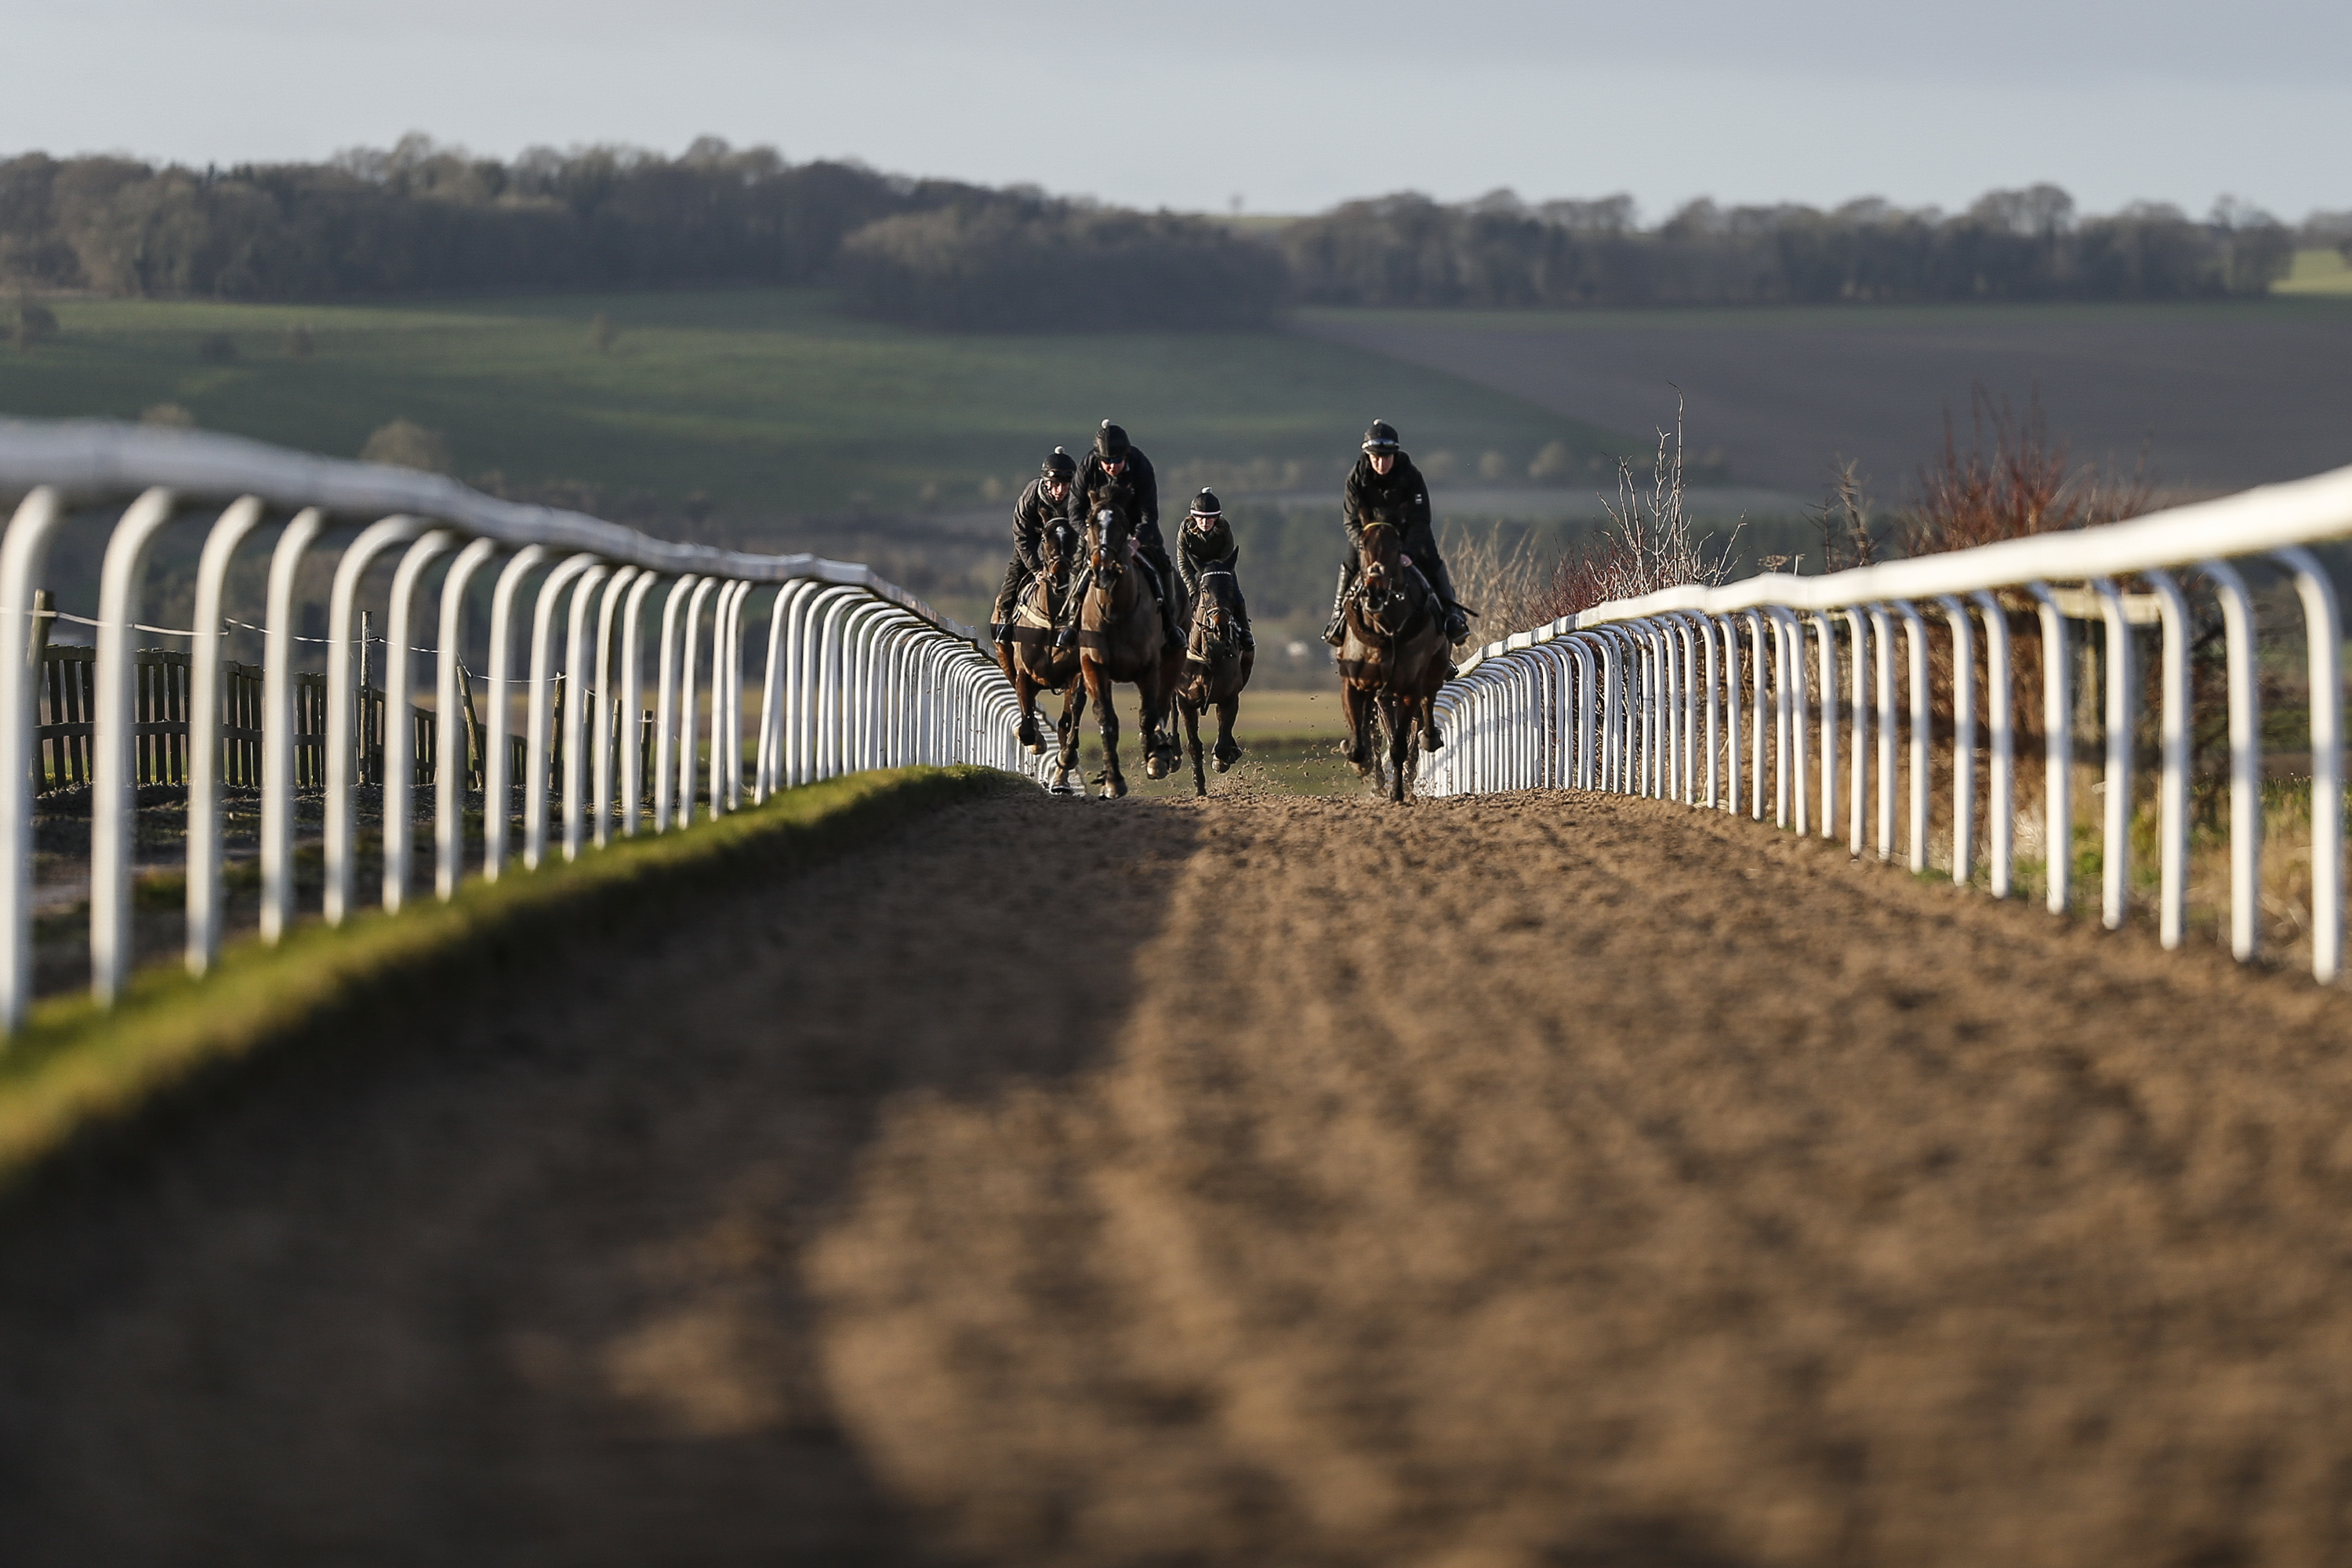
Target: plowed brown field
[1544,1179]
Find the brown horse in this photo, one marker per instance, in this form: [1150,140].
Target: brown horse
[1032,662]
[1394,660]
[1216,666]
[1121,639]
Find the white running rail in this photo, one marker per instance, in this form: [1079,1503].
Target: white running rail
[1644,696]
[858,673]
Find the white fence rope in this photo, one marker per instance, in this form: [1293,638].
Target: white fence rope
[1645,697]
[857,674]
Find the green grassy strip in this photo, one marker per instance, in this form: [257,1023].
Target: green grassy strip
[77,1066]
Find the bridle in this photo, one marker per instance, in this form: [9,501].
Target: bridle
[1212,620]
[1379,590]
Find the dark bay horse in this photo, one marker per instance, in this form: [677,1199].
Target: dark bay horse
[1031,661]
[1392,662]
[1216,666]
[1121,639]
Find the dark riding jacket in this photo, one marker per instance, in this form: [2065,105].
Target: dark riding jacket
[1401,496]
[1139,479]
[1031,514]
[1197,550]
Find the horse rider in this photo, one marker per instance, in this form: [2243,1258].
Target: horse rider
[1385,486]
[1115,460]
[1043,503]
[1206,541]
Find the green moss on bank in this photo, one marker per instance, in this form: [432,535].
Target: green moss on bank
[77,1066]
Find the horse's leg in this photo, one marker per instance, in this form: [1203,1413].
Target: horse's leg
[1191,711]
[1025,689]
[1228,751]
[1099,688]
[1400,737]
[1156,689]
[1074,708]
[1357,702]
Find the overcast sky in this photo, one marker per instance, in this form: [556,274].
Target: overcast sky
[1289,104]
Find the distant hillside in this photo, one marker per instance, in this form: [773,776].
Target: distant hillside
[429,219]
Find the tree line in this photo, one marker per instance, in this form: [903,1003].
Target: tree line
[1498,252]
[422,218]
[425,218]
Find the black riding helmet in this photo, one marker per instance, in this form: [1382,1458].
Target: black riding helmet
[1058,465]
[1381,437]
[1110,443]
[1206,504]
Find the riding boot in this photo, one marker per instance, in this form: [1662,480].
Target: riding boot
[1335,633]
[1065,627]
[1166,570]
[1457,624]
[1017,580]
[1248,639]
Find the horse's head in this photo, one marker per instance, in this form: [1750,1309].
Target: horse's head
[1217,612]
[1110,527]
[1378,556]
[1061,548]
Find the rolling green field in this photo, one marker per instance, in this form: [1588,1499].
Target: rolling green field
[767,404]
[2317,272]
[1802,319]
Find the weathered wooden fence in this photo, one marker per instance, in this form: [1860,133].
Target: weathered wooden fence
[62,735]
[61,738]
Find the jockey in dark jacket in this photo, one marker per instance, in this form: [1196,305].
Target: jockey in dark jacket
[1114,459]
[1385,484]
[1043,503]
[1206,541]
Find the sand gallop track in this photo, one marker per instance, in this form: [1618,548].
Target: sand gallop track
[1545,1180]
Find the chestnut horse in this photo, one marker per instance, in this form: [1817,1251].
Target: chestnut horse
[1216,666]
[1393,661]
[1031,661]
[1121,639]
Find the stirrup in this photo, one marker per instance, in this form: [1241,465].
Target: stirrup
[1336,634]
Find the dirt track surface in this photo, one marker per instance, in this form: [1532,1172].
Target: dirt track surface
[1535,1180]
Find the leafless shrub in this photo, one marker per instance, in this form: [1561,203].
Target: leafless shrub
[408,445]
[2017,483]
[1647,544]
[1849,538]
[1509,587]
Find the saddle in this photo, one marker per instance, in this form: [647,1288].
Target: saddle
[1085,583]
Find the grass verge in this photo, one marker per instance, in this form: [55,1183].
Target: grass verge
[77,1068]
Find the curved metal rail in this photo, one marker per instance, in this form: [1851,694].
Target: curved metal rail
[858,672]
[1610,698]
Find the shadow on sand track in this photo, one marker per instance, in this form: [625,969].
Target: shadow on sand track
[521,1286]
